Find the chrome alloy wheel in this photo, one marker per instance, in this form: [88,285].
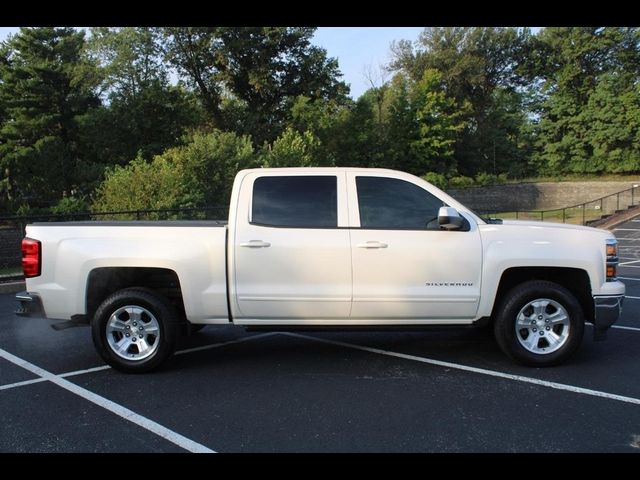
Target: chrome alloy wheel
[542,326]
[133,332]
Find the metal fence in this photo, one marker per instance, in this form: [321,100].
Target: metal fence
[12,228]
[581,214]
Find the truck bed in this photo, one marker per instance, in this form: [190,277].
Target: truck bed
[74,253]
[136,223]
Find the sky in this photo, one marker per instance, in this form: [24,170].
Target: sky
[356,48]
[359,49]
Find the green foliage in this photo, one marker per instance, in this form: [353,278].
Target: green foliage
[145,114]
[46,87]
[68,205]
[612,117]
[484,178]
[480,68]
[461,181]
[196,174]
[146,186]
[590,113]
[437,179]
[264,68]
[461,103]
[440,120]
[292,149]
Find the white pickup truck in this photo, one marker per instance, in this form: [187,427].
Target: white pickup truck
[325,247]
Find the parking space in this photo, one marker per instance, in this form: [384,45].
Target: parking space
[231,391]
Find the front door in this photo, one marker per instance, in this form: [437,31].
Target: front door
[292,261]
[404,267]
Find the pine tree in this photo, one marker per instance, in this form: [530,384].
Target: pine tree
[45,87]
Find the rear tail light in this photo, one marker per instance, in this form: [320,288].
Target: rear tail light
[31,257]
[612,258]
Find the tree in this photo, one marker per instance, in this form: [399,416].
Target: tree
[577,62]
[612,115]
[480,67]
[264,68]
[403,125]
[46,87]
[292,149]
[143,113]
[440,119]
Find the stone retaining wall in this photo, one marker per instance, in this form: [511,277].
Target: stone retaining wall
[537,196]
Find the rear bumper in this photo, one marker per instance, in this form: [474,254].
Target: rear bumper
[607,310]
[30,305]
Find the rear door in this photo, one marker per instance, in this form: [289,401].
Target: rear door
[292,258]
[404,267]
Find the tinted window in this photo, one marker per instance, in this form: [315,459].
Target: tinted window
[295,201]
[392,203]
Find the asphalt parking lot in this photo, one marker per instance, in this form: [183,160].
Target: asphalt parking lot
[443,390]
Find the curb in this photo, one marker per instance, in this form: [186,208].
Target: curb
[12,287]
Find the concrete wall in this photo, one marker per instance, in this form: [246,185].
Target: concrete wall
[538,196]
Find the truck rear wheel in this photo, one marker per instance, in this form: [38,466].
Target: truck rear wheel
[135,330]
[539,324]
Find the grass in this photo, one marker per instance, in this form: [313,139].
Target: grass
[10,271]
[610,177]
[571,215]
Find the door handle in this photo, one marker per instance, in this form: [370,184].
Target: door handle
[255,244]
[372,244]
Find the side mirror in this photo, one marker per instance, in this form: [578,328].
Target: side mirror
[449,218]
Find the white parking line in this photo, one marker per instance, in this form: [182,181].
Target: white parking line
[107,404]
[81,372]
[216,345]
[62,375]
[107,367]
[630,239]
[626,229]
[482,371]
[620,327]
[628,278]
[632,298]
[627,263]
[20,384]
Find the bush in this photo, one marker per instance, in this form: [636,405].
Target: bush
[436,179]
[196,174]
[461,182]
[292,149]
[484,178]
[69,205]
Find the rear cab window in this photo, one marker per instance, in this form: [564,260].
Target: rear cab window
[299,201]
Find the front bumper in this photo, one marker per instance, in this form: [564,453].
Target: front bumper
[30,305]
[607,311]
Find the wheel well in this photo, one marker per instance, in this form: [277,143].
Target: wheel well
[573,279]
[102,282]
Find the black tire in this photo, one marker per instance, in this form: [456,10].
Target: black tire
[516,300]
[161,311]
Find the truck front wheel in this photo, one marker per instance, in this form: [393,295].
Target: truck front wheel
[539,323]
[135,330]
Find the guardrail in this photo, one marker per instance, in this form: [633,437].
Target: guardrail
[581,214]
